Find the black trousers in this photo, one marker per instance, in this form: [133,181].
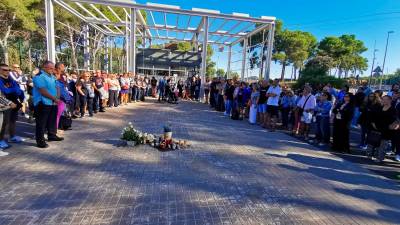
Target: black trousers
[86,101]
[46,119]
[97,102]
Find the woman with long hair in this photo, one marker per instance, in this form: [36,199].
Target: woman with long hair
[372,104]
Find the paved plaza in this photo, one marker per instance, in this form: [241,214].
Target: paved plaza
[233,173]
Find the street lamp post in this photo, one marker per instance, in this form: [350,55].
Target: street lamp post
[373,64]
[384,59]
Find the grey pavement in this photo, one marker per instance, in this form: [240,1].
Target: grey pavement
[233,173]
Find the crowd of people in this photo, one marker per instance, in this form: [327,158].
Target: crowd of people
[324,111]
[51,97]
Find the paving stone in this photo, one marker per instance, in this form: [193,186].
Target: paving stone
[233,173]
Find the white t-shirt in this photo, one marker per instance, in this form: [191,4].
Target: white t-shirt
[274,100]
[310,104]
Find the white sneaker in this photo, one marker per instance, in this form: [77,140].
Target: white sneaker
[3,145]
[397,158]
[17,139]
[3,153]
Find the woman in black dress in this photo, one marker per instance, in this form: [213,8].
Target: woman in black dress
[343,113]
[385,117]
[368,109]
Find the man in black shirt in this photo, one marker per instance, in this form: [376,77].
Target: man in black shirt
[262,103]
[230,88]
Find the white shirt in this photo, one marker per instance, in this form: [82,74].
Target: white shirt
[310,104]
[274,100]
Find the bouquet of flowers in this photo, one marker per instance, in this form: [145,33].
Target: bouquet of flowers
[131,135]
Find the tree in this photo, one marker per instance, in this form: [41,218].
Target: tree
[16,17]
[397,73]
[293,47]
[220,72]
[346,52]
[315,73]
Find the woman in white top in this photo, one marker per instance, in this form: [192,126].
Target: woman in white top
[113,87]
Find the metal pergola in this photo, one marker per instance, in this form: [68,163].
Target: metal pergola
[199,26]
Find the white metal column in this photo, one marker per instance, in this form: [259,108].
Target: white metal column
[269,53]
[244,55]
[111,45]
[86,48]
[262,54]
[127,44]
[106,45]
[50,38]
[132,40]
[228,70]
[204,57]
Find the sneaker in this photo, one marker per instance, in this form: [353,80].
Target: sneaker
[4,145]
[3,153]
[397,158]
[321,144]
[16,139]
[26,116]
[364,147]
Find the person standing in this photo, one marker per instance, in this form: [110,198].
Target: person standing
[17,75]
[230,88]
[273,94]
[261,103]
[12,91]
[5,105]
[65,98]
[323,113]
[161,89]
[113,87]
[153,83]
[85,88]
[98,90]
[358,101]
[288,102]
[341,125]
[305,109]
[207,86]
[45,100]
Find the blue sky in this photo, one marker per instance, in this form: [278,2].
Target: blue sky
[369,20]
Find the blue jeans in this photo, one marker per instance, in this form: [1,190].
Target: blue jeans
[356,115]
[228,107]
[323,129]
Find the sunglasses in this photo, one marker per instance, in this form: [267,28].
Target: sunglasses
[6,70]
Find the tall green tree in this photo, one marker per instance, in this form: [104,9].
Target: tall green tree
[16,16]
[293,47]
[346,52]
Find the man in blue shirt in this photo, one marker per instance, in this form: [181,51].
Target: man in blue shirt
[45,100]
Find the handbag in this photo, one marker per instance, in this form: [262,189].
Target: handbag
[374,138]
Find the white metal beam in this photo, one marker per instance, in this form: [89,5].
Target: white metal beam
[177,10]
[132,40]
[269,54]
[204,57]
[104,16]
[244,58]
[79,15]
[92,15]
[253,32]
[154,22]
[51,44]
